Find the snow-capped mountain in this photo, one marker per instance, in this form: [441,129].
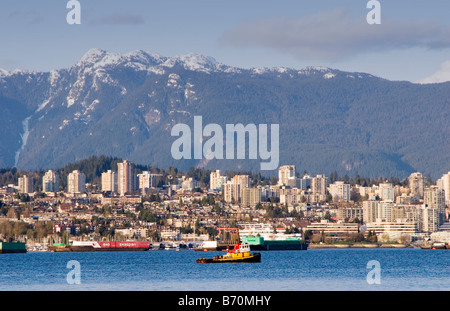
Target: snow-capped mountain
[125,105]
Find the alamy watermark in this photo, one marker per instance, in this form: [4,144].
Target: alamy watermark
[74,275]
[74,15]
[374,275]
[190,144]
[374,16]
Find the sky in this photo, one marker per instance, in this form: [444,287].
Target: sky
[411,43]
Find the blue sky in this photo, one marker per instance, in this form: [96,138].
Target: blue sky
[412,43]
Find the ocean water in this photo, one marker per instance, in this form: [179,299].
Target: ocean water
[311,270]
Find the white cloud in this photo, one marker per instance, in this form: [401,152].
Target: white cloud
[442,75]
[337,35]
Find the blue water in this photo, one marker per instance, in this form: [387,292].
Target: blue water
[313,270]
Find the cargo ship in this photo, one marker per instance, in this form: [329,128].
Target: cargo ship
[240,253]
[12,247]
[101,246]
[259,243]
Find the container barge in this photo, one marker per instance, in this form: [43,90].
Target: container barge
[101,246]
[259,243]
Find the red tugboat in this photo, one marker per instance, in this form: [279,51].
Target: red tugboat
[240,253]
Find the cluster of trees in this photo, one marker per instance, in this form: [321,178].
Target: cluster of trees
[360,237]
[17,230]
[368,182]
[275,211]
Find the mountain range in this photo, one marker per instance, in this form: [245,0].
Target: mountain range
[125,105]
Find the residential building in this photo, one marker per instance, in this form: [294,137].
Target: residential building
[109,181]
[147,180]
[444,184]
[250,196]
[243,180]
[25,184]
[385,211]
[188,183]
[416,182]
[126,178]
[304,182]
[217,181]
[434,198]
[319,185]
[232,192]
[428,219]
[233,188]
[340,191]
[291,196]
[286,176]
[386,191]
[50,182]
[370,211]
[350,213]
[76,182]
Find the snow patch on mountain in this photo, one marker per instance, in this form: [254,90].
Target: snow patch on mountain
[64,124]
[3,74]
[24,136]
[329,75]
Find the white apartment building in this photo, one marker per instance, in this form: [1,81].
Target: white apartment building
[286,176]
[76,182]
[232,192]
[444,184]
[434,197]
[217,181]
[188,183]
[386,191]
[25,184]
[50,182]
[126,178]
[233,188]
[428,219]
[109,181]
[147,180]
[340,191]
[291,196]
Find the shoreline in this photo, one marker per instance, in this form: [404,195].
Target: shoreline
[350,245]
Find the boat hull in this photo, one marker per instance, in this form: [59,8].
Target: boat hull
[92,249]
[256,257]
[258,243]
[103,247]
[12,248]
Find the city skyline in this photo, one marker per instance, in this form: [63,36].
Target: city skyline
[385,208]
